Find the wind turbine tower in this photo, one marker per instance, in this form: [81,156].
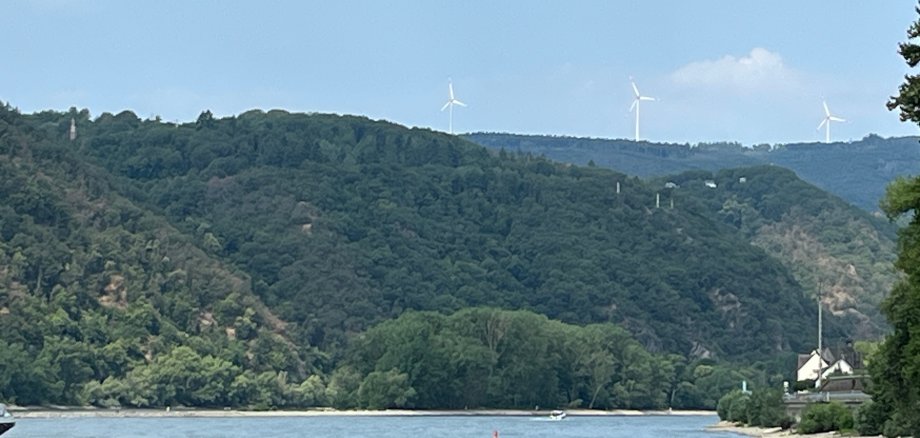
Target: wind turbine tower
[826,123]
[635,104]
[451,101]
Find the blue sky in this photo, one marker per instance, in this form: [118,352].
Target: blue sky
[753,72]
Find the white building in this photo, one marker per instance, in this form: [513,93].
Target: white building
[811,364]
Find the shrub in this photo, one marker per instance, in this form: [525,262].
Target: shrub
[803,385]
[734,407]
[725,403]
[787,422]
[825,417]
[762,408]
[896,426]
[870,418]
[738,412]
[767,409]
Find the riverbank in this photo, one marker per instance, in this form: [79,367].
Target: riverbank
[75,412]
[726,426]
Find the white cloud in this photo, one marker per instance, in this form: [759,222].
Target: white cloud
[759,71]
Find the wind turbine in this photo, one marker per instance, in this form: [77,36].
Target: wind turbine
[451,101]
[635,104]
[826,123]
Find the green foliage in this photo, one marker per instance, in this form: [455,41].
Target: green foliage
[342,391]
[237,262]
[826,243]
[738,409]
[897,425]
[825,417]
[725,403]
[385,389]
[761,408]
[702,384]
[856,171]
[895,366]
[870,419]
[484,357]
[908,99]
[820,238]
[767,409]
[393,219]
[102,302]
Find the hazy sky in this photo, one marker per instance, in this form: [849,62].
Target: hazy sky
[754,72]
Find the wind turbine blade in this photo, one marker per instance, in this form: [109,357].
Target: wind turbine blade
[446,105]
[827,112]
[633,106]
[459,102]
[450,88]
[646,98]
[837,119]
[636,89]
[822,124]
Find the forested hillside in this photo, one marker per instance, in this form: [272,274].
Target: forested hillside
[257,249]
[342,222]
[834,249]
[856,171]
[95,289]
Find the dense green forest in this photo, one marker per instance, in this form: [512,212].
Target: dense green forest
[488,357]
[832,248]
[94,287]
[857,171]
[895,367]
[278,254]
[835,250]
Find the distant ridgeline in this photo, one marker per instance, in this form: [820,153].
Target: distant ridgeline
[236,261]
[856,171]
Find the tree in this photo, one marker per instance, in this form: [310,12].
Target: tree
[343,387]
[896,366]
[825,417]
[908,98]
[594,363]
[385,389]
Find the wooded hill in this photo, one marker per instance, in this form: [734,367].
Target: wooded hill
[828,245]
[834,250]
[93,286]
[856,171]
[255,249]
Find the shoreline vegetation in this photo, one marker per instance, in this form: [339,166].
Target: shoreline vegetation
[78,412]
[728,426]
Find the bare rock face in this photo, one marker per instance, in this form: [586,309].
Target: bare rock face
[115,294]
[850,273]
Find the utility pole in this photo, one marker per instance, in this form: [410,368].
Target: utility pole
[820,351]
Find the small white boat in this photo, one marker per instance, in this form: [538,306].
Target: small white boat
[6,419]
[557,415]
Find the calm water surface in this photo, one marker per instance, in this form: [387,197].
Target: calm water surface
[367,427]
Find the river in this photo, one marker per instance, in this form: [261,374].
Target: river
[367,427]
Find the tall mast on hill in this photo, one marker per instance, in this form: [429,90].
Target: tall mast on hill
[820,347]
